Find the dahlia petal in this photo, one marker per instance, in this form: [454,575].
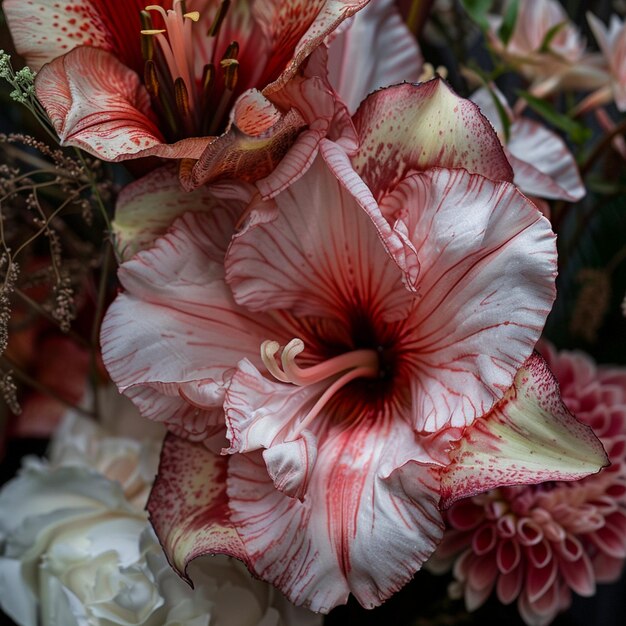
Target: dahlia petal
[465,515]
[475,597]
[76,23]
[359,529]
[414,127]
[188,505]
[539,580]
[483,573]
[484,539]
[539,554]
[148,206]
[508,556]
[611,537]
[542,163]
[105,111]
[463,235]
[607,569]
[579,575]
[509,585]
[320,254]
[156,335]
[541,611]
[529,437]
[378,32]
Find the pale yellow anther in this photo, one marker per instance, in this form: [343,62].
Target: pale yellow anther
[153,31]
[228,62]
[194,16]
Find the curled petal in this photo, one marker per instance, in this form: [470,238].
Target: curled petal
[414,127]
[529,437]
[106,110]
[188,505]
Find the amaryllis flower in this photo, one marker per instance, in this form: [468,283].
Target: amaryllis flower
[542,163]
[548,49]
[351,372]
[612,42]
[204,79]
[539,543]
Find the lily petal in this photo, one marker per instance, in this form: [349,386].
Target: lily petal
[147,207]
[528,438]
[106,110]
[475,324]
[378,33]
[188,505]
[414,127]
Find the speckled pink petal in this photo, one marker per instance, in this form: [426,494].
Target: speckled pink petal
[45,29]
[320,253]
[476,319]
[414,127]
[529,437]
[362,528]
[379,34]
[148,206]
[188,506]
[104,110]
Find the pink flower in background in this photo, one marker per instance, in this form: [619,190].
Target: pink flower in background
[548,49]
[353,361]
[612,42]
[542,163]
[217,83]
[539,543]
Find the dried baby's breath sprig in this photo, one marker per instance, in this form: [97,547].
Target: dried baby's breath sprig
[8,272]
[8,392]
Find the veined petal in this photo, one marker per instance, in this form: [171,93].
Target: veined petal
[322,255]
[357,530]
[43,30]
[529,437]
[294,28]
[105,110]
[414,127]
[485,285]
[177,310]
[378,33]
[188,505]
[542,163]
[148,206]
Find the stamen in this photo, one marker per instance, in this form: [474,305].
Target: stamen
[268,352]
[193,15]
[218,19]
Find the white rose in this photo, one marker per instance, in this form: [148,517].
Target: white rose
[77,550]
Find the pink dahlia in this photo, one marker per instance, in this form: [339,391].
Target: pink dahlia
[217,82]
[539,543]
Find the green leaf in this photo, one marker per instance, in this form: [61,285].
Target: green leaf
[477,10]
[508,23]
[576,131]
[550,35]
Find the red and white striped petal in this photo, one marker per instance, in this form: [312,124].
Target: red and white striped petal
[379,34]
[479,314]
[528,438]
[414,127]
[188,505]
[148,206]
[43,30]
[360,529]
[176,332]
[98,104]
[542,163]
[294,28]
[322,255]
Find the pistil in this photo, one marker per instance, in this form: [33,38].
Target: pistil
[348,366]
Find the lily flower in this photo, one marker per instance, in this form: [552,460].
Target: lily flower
[548,49]
[612,42]
[207,80]
[355,357]
[542,163]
